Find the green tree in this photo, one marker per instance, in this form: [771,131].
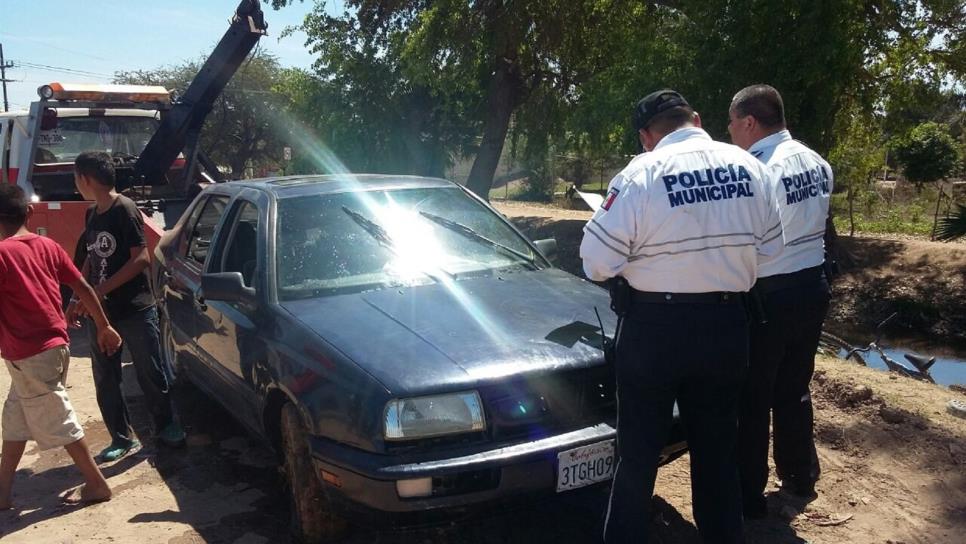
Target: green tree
[415,83]
[928,153]
[857,156]
[241,128]
[449,70]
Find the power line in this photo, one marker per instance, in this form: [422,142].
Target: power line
[52,46]
[62,69]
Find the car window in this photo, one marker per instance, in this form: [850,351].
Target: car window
[353,241]
[203,230]
[240,254]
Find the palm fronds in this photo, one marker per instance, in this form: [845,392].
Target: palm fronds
[952,226]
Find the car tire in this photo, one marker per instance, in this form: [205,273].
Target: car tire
[312,518]
[169,352]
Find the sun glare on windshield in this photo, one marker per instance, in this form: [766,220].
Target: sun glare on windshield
[372,239]
[417,249]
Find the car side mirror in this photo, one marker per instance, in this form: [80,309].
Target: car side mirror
[226,286]
[548,247]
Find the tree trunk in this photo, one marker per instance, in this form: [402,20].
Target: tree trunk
[851,199]
[503,96]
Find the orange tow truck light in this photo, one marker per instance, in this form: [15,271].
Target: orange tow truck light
[104,93]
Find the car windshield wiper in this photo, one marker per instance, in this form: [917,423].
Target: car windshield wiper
[468,232]
[382,236]
[374,229]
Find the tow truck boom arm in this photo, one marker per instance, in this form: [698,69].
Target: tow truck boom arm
[182,123]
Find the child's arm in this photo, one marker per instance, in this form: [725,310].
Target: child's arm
[135,265]
[107,338]
[75,310]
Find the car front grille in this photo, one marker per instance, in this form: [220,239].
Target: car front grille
[539,406]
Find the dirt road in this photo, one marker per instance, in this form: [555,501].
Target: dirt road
[904,482]
[892,458]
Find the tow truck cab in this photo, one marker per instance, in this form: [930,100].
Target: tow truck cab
[38,147]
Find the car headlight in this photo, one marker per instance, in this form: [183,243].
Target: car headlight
[436,415]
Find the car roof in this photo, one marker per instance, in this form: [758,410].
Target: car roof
[294,186]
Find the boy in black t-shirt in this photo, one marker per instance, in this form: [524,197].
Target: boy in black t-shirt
[116,265]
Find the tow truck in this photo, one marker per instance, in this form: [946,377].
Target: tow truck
[153,139]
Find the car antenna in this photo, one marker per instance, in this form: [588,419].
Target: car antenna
[603,335]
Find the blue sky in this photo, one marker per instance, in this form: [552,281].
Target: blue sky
[105,36]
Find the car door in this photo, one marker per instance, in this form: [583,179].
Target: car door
[181,278]
[226,331]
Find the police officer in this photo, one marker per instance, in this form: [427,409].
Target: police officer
[684,225]
[795,297]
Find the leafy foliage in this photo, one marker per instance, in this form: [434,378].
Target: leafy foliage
[928,153]
[413,85]
[954,226]
[241,127]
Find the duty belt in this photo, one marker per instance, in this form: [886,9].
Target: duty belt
[646,297]
[800,278]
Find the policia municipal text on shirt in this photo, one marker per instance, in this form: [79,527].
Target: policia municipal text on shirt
[684,225]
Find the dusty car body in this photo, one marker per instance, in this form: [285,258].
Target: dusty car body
[425,352]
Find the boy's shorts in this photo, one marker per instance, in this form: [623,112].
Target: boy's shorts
[37,407]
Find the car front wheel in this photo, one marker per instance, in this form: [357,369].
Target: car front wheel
[312,518]
[169,353]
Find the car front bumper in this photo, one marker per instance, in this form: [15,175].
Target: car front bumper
[369,479]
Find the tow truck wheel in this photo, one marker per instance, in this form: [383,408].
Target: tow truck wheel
[312,519]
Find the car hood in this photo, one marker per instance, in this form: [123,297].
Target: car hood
[470,332]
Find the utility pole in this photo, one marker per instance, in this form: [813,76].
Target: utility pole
[3,78]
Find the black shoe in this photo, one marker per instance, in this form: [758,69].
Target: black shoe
[755,508]
[799,489]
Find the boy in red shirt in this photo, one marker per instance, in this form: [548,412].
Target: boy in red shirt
[33,346]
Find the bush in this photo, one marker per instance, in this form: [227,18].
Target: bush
[928,153]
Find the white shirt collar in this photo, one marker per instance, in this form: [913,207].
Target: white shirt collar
[680,135]
[769,141]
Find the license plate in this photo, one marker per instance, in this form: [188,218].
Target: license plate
[585,465]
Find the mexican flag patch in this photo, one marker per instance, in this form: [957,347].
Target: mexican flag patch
[611,195]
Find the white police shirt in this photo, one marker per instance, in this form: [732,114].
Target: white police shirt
[803,186]
[691,216]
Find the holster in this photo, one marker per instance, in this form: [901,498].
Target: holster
[830,267]
[620,303]
[620,296]
[756,305]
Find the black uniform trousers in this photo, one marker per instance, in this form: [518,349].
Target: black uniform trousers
[781,366]
[696,354]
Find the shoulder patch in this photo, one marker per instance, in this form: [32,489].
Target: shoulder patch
[609,199]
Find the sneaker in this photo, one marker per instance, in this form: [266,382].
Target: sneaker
[172,435]
[117,450]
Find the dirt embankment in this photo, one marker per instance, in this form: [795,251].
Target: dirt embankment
[923,282]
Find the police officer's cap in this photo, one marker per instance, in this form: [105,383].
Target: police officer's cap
[653,104]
